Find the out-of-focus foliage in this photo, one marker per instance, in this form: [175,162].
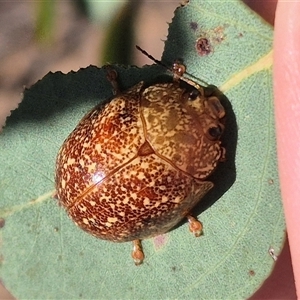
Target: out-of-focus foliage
[45,17]
[115,18]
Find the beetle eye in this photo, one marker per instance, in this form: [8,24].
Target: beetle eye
[215,132]
[193,94]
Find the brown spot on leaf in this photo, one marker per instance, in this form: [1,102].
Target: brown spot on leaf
[218,34]
[251,272]
[2,222]
[194,26]
[203,46]
[209,39]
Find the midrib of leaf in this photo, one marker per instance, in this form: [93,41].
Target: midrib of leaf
[5,212]
[263,63]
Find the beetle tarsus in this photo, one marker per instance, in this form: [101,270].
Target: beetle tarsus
[195,226]
[137,253]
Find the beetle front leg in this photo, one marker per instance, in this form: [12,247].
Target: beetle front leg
[137,252]
[195,226]
[112,75]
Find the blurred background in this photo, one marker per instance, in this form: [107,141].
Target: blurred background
[37,37]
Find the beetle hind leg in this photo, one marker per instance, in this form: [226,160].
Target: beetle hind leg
[195,226]
[137,252]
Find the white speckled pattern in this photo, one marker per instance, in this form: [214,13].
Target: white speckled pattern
[135,167]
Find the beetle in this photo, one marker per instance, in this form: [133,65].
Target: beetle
[135,167]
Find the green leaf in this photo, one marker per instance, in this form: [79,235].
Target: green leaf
[44,255]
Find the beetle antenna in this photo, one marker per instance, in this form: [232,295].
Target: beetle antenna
[152,58]
[183,78]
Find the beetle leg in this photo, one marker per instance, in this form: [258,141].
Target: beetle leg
[137,253]
[111,75]
[55,195]
[195,226]
[223,155]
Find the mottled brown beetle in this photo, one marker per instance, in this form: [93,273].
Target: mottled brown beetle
[133,168]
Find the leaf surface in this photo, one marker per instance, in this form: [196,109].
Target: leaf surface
[44,255]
